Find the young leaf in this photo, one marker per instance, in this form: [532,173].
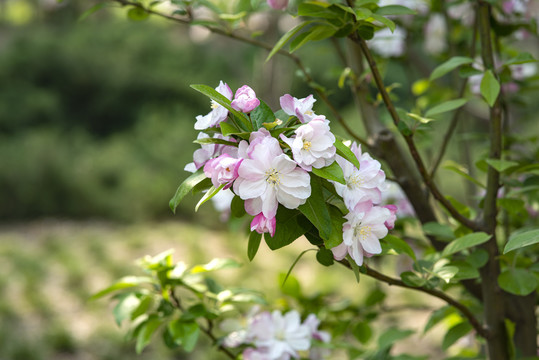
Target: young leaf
[399,245]
[518,281]
[462,171]
[455,333]
[316,33]
[465,242]
[237,207]
[208,140]
[354,266]
[442,232]
[392,335]
[223,101]
[137,14]
[395,10]
[362,332]
[208,195]
[185,333]
[337,221]
[126,305]
[389,23]
[92,10]
[522,239]
[186,186]
[291,224]
[146,331]
[437,316]
[216,264]
[331,172]
[324,257]
[501,165]
[445,107]
[521,58]
[254,244]
[346,153]
[286,37]
[448,66]
[124,283]
[262,114]
[315,209]
[490,88]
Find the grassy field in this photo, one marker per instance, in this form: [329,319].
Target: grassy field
[50,268]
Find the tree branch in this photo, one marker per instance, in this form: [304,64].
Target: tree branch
[409,141]
[261,45]
[481,331]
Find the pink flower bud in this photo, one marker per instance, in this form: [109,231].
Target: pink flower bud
[278,4]
[262,225]
[222,170]
[390,223]
[245,100]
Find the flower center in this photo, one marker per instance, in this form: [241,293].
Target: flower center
[362,232]
[272,177]
[354,181]
[308,112]
[306,145]
[214,105]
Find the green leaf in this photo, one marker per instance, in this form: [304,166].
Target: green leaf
[390,336]
[412,279]
[337,221]
[517,281]
[395,10]
[446,273]
[521,58]
[316,33]
[346,153]
[291,224]
[354,266]
[137,14]
[490,88]
[228,129]
[123,283]
[455,333]
[465,242]
[92,10]
[254,244]
[208,195]
[185,187]
[325,257]
[445,107]
[315,9]
[399,245]
[465,270]
[440,231]
[448,66]
[477,258]
[286,37]
[522,239]
[366,31]
[208,140]
[146,331]
[315,209]
[362,332]
[331,172]
[285,278]
[262,114]
[185,333]
[126,305]
[462,171]
[501,165]
[237,208]
[216,264]
[223,101]
[389,23]
[437,316]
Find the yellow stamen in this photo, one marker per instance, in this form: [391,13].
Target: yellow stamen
[272,177]
[306,145]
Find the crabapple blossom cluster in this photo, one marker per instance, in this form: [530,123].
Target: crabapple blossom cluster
[274,336]
[269,163]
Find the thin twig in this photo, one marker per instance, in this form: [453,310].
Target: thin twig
[475,226]
[265,46]
[456,116]
[481,331]
[206,330]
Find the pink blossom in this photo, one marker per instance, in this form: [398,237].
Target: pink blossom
[256,354]
[281,336]
[390,223]
[245,99]
[302,108]
[313,144]
[363,184]
[218,114]
[268,177]
[362,231]
[262,225]
[278,4]
[222,170]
